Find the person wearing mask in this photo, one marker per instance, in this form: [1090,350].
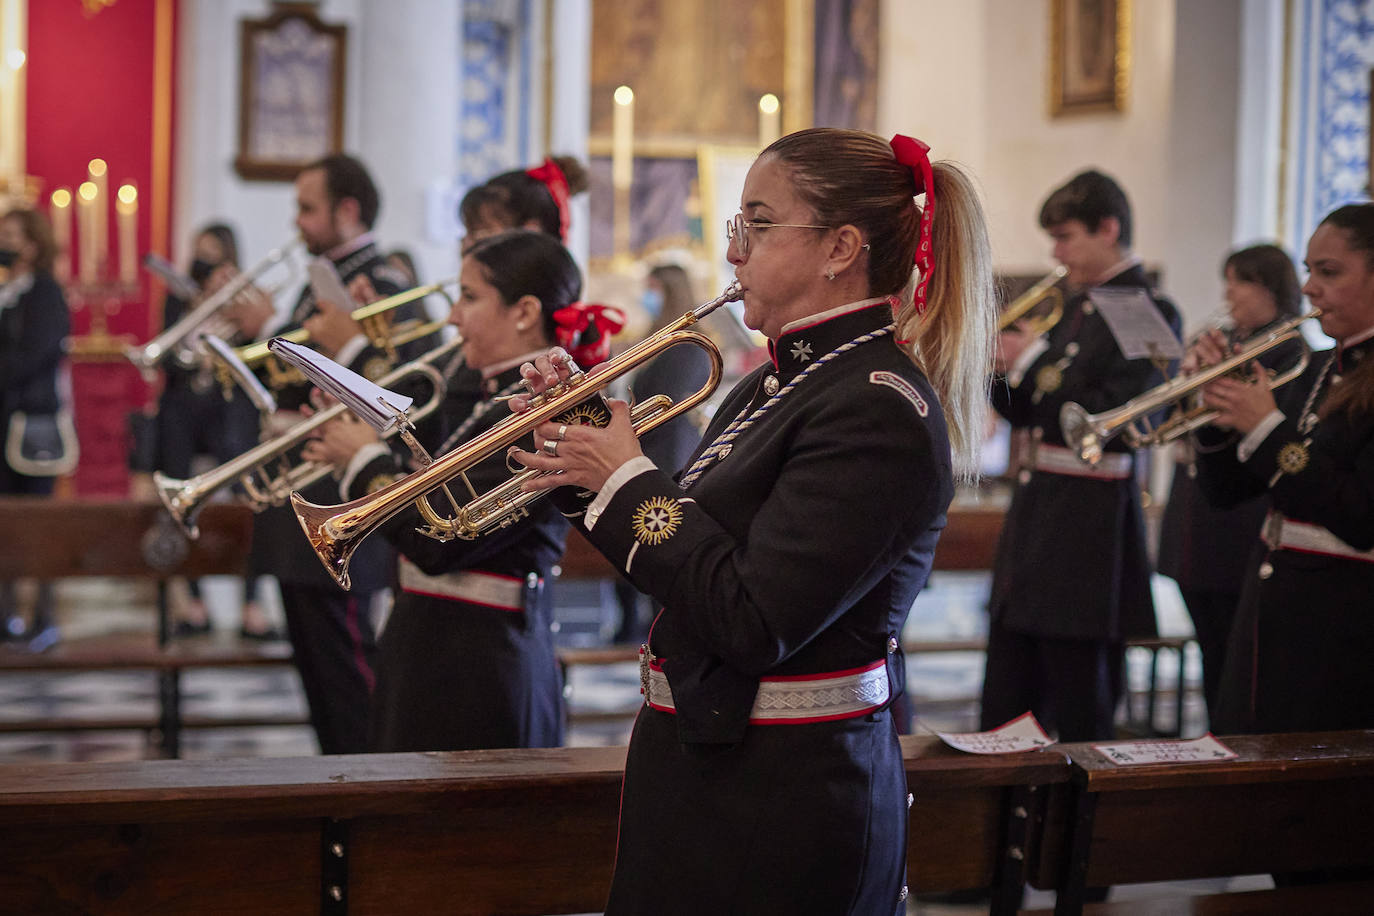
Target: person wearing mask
[39,443]
[195,416]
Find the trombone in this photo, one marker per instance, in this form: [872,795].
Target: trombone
[1043,291]
[336,531]
[182,338]
[376,321]
[266,485]
[1087,433]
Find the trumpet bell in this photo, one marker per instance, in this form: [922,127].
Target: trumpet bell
[1079,431]
[179,498]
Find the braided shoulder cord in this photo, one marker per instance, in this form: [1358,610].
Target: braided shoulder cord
[741,423]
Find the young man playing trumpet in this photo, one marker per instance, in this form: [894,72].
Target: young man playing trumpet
[331,632]
[1071,581]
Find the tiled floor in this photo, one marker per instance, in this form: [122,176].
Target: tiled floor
[944,685]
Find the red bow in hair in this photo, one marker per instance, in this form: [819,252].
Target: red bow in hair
[551,177]
[574,320]
[915,155]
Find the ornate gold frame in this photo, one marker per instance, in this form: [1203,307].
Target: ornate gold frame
[1062,100]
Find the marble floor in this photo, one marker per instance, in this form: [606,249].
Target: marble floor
[944,685]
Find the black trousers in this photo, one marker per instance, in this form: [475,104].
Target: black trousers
[1213,612]
[334,646]
[1072,685]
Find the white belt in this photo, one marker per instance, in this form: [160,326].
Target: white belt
[505,593]
[1059,460]
[789,700]
[1282,533]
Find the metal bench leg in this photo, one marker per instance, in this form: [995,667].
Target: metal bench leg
[1009,879]
[1073,878]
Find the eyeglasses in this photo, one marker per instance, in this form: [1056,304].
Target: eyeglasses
[737,230]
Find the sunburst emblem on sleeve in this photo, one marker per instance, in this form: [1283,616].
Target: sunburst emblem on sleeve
[1293,458]
[657,519]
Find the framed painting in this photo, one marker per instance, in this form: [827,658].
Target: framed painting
[291,91]
[1090,55]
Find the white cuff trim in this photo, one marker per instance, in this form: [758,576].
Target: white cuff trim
[1257,435]
[361,458]
[1025,361]
[622,475]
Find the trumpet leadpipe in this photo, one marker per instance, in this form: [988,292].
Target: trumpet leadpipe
[336,531]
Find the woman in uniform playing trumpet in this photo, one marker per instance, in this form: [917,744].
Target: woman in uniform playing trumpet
[1206,550]
[1298,658]
[466,659]
[765,774]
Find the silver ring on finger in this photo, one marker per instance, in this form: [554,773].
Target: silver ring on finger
[562,432]
[551,447]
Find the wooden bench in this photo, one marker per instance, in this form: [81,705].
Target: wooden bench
[511,832]
[1288,803]
[55,539]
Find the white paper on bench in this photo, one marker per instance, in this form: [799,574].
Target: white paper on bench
[1020,734]
[1135,753]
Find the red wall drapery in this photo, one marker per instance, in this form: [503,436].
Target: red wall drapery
[100,85]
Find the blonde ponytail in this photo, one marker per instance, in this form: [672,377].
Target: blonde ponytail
[953,340]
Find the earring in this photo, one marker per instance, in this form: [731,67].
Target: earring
[830,274]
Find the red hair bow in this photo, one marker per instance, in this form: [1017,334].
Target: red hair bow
[574,320]
[552,177]
[915,155]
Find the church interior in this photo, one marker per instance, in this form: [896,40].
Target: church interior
[170,738]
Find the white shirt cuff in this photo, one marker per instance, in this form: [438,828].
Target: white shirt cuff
[622,475]
[1257,435]
[1025,360]
[350,350]
[360,460]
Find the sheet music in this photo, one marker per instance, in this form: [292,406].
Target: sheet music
[262,398]
[1139,328]
[1136,753]
[1020,734]
[380,408]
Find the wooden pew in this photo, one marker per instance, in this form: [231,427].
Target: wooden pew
[1288,803]
[56,539]
[512,832]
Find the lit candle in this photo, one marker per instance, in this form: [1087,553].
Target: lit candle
[126,208]
[623,137]
[60,212]
[100,212]
[622,167]
[770,119]
[85,231]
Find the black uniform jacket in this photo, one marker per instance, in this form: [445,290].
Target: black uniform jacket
[458,675]
[1204,547]
[279,545]
[1301,648]
[33,331]
[799,552]
[1072,561]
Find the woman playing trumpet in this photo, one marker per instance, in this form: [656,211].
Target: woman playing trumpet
[466,659]
[1298,657]
[765,775]
[1206,550]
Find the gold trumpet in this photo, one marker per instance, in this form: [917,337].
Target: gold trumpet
[182,338]
[377,325]
[265,485]
[1043,291]
[1087,433]
[336,531]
